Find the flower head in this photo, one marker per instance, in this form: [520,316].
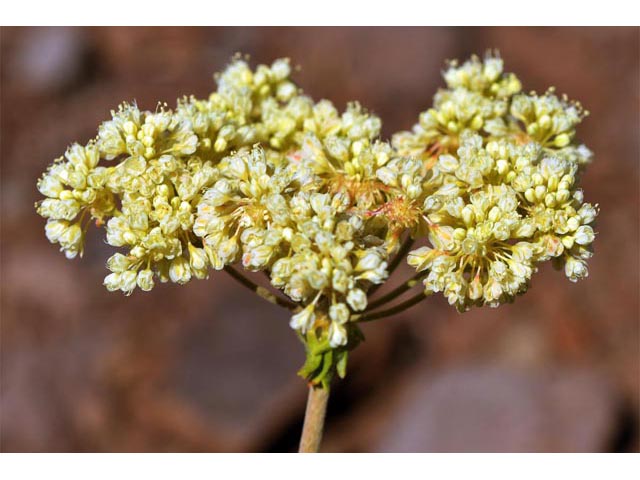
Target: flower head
[501,209]
[261,176]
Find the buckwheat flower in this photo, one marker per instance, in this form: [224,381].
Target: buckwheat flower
[179,270]
[501,209]
[234,215]
[304,319]
[125,281]
[155,221]
[575,268]
[248,107]
[159,182]
[75,187]
[115,135]
[282,125]
[473,251]
[347,167]
[555,205]
[407,182]
[145,280]
[69,236]
[337,333]
[486,77]
[332,262]
[358,124]
[258,176]
[339,313]
[477,98]
[439,128]
[551,121]
[357,299]
[198,261]
[340,130]
[145,134]
[325,120]
[372,266]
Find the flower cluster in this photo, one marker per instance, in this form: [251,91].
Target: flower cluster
[75,186]
[501,208]
[504,187]
[260,176]
[477,99]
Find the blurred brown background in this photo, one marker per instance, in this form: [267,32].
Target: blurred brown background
[206,367]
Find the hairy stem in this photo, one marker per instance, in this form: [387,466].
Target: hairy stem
[396,292]
[402,253]
[401,307]
[261,291]
[314,419]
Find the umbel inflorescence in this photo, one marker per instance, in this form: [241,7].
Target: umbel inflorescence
[259,176]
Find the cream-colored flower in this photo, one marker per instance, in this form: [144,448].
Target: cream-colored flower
[500,209]
[76,191]
[259,176]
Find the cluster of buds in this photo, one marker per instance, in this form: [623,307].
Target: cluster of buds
[262,177]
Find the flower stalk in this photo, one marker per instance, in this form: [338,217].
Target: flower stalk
[314,419]
[399,308]
[262,292]
[396,292]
